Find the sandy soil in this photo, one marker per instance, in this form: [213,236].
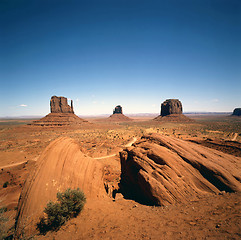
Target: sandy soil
[217,217]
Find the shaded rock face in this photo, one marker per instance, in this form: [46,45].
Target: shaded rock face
[117,110]
[161,170]
[60,105]
[237,112]
[171,106]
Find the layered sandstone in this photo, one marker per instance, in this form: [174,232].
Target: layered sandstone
[60,105]
[62,165]
[164,170]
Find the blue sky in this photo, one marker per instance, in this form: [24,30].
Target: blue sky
[130,52]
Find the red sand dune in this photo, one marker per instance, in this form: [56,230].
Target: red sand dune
[62,165]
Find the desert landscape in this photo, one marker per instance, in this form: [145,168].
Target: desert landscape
[120,119]
[173,178]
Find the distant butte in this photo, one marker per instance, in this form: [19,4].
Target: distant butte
[118,115]
[171,110]
[61,114]
[237,112]
[171,106]
[117,110]
[60,105]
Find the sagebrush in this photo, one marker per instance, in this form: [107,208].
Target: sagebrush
[68,205]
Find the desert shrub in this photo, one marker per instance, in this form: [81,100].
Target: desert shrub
[3,220]
[72,202]
[5,184]
[3,209]
[68,205]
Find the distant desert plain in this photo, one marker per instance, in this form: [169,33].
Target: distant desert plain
[169,176]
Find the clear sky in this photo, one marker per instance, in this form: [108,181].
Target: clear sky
[135,53]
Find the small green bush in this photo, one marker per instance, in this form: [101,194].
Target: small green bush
[68,205]
[72,202]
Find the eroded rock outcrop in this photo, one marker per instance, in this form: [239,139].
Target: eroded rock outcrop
[117,110]
[118,115]
[237,112]
[60,105]
[62,165]
[164,170]
[171,110]
[62,115]
[171,106]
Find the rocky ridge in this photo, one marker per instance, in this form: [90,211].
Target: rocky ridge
[163,170]
[61,165]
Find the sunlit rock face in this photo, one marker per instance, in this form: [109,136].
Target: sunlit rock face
[60,105]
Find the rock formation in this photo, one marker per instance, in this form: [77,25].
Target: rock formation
[171,106]
[60,105]
[164,170]
[61,165]
[118,115]
[61,115]
[118,109]
[171,110]
[237,112]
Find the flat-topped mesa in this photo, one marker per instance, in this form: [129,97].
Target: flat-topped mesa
[171,111]
[118,110]
[60,105]
[171,106]
[237,112]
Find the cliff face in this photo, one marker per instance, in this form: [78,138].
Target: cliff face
[60,105]
[171,106]
[171,111]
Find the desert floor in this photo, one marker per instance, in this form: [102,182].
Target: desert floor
[215,217]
